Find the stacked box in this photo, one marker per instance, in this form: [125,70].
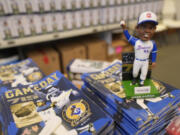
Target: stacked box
[7,30]
[31,6]
[45,23]
[138,116]
[19,23]
[55,22]
[79,66]
[3,7]
[69,51]
[47,59]
[52,106]
[96,48]
[78,20]
[13,6]
[95,17]
[33,25]
[86,17]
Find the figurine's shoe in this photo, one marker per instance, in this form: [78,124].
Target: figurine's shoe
[134,81]
[141,83]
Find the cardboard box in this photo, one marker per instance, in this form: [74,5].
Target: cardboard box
[32,25]
[6,31]
[119,2]
[21,25]
[43,5]
[31,5]
[112,15]
[77,67]
[114,56]
[103,3]
[86,17]
[128,48]
[54,22]
[53,4]
[119,42]
[112,2]
[13,6]
[118,14]
[86,3]
[68,4]
[94,16]
[96,48]
[78,19]
[94,3]
[104,15]
[137,10]
[37,22]
[131,11]
[45,21]
[28,6]
[125,12]
[3,7]
[47,59]
[76,4]
[69,51]
[67,21]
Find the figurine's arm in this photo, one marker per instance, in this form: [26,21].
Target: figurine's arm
[132,40]
[45,107]
[154,54]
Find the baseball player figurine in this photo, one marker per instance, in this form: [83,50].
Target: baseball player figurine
[143,45]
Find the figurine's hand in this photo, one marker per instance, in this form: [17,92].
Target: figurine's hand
[153,64]
[123,25]
[53,104]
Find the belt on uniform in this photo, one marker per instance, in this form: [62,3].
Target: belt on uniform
[141,59]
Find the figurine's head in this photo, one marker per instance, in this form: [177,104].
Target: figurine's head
[146,25]
[52,92]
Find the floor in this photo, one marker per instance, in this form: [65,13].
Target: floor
[168,63]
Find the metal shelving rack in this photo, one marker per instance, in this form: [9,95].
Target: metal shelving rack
[55,36]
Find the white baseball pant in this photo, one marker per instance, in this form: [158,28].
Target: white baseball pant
[140,65]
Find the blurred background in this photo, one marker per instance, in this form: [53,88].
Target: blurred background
[54,32]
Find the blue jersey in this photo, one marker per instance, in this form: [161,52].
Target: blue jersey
[142,49]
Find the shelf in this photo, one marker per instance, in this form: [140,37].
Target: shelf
[54,36]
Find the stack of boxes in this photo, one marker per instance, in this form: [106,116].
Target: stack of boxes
[50,59]
[46,58]
[69,51]
[30,17]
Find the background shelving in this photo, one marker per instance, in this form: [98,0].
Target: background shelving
[47,20]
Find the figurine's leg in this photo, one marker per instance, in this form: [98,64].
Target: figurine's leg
[51,125]
[167,95]
[88,127]
[144,106]
[157,99]
[144,71]
[62,130]
[136,68]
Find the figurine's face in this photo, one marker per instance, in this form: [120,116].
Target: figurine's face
[53,92]
[146,30]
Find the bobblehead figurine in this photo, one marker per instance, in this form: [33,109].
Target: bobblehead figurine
[143,45]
